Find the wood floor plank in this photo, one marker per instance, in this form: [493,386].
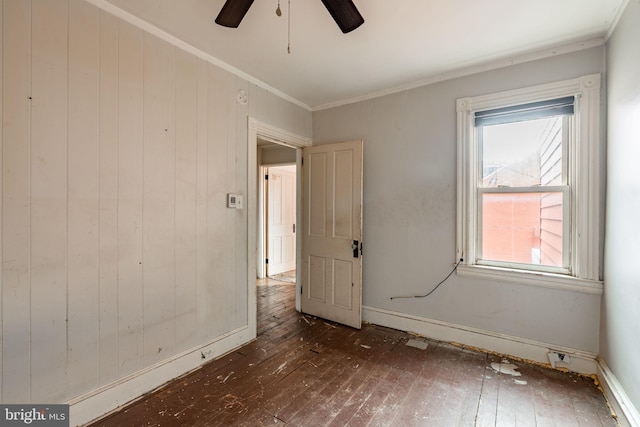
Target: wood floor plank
[305,371]
[426,402]
[488,401]
[317,406]
[410,362]
[355,410]
[311,377]
[268,377]
[465,388]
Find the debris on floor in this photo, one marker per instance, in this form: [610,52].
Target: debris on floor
[280,368]
[224,380]
[505,368]
[417,344]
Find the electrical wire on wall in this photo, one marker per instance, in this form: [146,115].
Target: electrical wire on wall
[455,267]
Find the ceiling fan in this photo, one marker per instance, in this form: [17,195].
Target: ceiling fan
[344,12]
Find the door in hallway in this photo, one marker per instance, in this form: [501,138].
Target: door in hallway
[281,219]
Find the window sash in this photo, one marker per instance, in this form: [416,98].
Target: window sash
[567,139]
[565,190]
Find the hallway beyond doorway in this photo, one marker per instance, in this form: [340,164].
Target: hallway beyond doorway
[287,276]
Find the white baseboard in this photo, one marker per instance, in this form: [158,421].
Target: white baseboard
[103,400]
[582,362]
[628,415]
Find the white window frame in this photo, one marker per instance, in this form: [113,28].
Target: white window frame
[583,242]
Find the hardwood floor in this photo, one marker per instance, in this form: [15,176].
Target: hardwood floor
[303,371]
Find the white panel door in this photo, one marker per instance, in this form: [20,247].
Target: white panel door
[281,219]
[332,259]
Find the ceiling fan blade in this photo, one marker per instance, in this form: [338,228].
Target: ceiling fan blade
[345,13]
[232,13]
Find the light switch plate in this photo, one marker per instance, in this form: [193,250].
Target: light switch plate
[234,201]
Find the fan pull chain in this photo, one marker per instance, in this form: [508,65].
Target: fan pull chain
[289,28]
[278,11]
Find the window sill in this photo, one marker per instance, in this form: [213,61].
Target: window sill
[532,278]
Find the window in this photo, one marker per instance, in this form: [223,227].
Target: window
[528,185]
[523,190]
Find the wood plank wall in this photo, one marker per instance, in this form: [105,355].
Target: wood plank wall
[118,150]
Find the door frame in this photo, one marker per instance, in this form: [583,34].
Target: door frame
[260,130]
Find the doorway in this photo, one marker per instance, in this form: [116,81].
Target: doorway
[333,280]
[279,200]
[263,143]
[281,160]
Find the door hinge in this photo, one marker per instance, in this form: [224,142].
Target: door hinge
[266,261]
[300,290]
[302,161]
[266,177]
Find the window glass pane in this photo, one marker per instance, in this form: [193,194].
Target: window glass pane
[523,154]
[522,227]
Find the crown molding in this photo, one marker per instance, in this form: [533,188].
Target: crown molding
[162,34]
[616,19]
[474,69]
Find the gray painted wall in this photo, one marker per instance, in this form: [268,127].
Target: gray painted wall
[620,340]
[410,209]
[277,155]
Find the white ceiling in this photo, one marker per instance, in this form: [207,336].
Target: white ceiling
[401,43]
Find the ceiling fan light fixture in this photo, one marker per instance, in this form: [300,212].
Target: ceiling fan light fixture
[345,13]
[232,13]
